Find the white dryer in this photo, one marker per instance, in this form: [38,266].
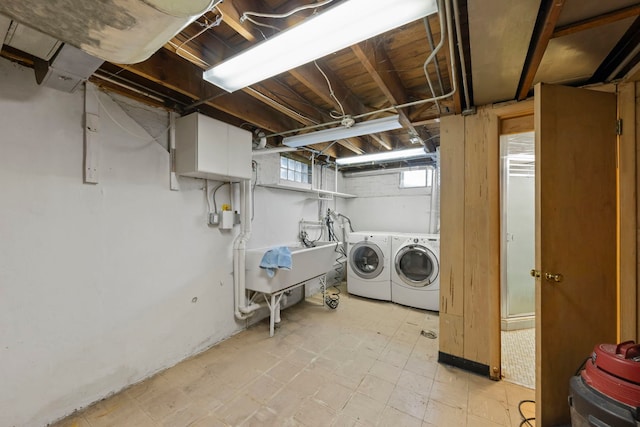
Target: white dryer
[415,271]
[368,268]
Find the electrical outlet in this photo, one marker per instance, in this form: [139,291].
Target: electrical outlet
[214,218]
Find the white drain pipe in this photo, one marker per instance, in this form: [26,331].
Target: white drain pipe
[242,310]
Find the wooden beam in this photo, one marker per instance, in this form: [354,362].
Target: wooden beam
[312,78]
[177,73]
[619,61]
[597,21]
[548,15]
[383,140]
[232,11]
[375,60]
[184,77]
[282,98]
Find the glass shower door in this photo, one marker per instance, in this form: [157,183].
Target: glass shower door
[518,224]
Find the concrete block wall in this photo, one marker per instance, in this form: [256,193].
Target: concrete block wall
[380,205]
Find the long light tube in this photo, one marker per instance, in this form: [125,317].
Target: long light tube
[412,153]
[341,26]
[359,129]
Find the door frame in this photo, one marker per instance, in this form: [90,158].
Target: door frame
[511,119]
[504,119]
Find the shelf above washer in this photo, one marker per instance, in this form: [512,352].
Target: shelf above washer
[318,192]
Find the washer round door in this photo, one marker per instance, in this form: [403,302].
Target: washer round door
[417,266]
[366,260]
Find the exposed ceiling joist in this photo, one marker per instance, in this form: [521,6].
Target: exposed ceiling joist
[543,31]
[315,79]
[232,12]
[597,21]
[622,58]
[184,77]
[375,60]
[384,72]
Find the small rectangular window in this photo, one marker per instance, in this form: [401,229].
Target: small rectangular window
[294,170]
[416,178]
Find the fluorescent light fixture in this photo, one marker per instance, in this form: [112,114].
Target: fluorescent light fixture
[341,26]
[412,153]
[359,129]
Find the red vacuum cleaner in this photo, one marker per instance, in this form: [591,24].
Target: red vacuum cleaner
[607,391]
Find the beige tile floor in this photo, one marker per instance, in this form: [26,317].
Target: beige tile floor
[364,364]
[519,357]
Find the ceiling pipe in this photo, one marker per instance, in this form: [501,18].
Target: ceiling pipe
[432,46]
[433,57]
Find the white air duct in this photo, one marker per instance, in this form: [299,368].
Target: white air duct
[119,31]
[67,70]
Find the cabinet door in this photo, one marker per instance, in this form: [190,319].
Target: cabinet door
[239,153]
[212,147]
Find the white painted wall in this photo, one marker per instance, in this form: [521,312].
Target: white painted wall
[97,281]
[381,205]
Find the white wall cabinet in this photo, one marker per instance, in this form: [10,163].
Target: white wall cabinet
[211,149]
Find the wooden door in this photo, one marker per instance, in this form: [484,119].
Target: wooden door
[575,237]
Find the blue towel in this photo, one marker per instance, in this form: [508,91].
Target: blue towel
[276,258]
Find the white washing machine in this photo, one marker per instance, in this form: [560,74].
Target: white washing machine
[415,270]
[368,269]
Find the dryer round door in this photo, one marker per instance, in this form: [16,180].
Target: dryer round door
[366,260]
[417,266]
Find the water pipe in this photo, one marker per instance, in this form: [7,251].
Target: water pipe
[242,310]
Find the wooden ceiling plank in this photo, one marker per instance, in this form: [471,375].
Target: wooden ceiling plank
[289,103]
[270,98]
[613,65]
[232,12]
[177,73]
[312,78]
[375,60]
[261,96]
[383,140]
[545,25]
[184,77]
[597,21]
[243,105]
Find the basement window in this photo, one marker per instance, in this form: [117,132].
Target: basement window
[415,178]
[294,170]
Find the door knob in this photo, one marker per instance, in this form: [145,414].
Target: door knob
[553,277]
[534,273]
